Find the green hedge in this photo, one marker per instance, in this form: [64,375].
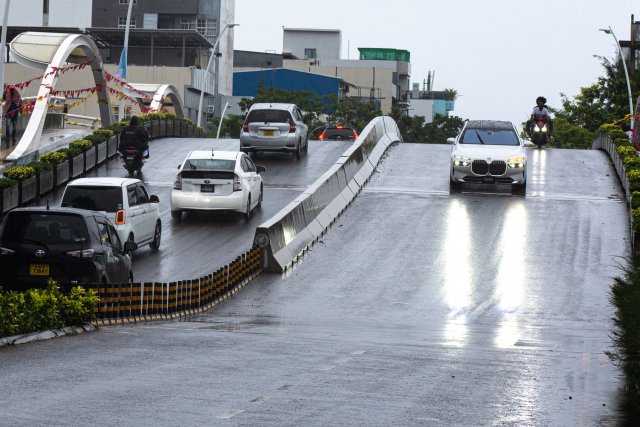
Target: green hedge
[42,309]
[6,182]
[19,173]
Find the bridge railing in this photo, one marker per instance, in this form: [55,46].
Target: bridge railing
[603,142]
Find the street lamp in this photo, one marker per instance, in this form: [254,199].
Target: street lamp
[213,50]
[626,73]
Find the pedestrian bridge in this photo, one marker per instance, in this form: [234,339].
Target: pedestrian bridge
[49,52]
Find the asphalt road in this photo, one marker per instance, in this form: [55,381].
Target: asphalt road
[417,308]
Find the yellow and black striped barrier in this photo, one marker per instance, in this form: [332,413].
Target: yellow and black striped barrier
[138,302]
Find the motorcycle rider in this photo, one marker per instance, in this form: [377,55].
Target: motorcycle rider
[135,136]
[540,110]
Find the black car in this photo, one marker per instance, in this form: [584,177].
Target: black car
[72,246]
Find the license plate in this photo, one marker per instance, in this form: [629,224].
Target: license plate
[39,269]
[488,180]
[206,188]
[268,133]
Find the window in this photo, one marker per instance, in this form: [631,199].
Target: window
[310,54]
[122,22]
[247,164]
[187,24]
[99,198]
[269,116]
[206,27]
[132,196]
[143,197]
[490,137]
[135,2]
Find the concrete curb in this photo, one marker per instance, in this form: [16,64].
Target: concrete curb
[45,335]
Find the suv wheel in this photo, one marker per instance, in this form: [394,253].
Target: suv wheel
[260,197]
[157,236]
[306,147]
[298,150]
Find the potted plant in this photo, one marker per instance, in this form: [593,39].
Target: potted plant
[99,138]
[59,161]
[44,176]
[26,178]
[9,194]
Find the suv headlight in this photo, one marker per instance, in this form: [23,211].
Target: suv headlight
[516,162]
[461,160]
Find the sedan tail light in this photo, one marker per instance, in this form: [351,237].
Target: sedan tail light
[84,253]
[120,217]
[292,126]
[237,184]
[321,137]
[177,184]
[355,135]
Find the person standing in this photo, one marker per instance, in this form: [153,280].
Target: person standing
[11,111]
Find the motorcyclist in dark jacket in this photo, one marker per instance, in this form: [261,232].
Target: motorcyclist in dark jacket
[136,136]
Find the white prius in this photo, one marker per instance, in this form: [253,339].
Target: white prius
[217,181]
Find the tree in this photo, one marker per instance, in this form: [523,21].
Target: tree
[605,101]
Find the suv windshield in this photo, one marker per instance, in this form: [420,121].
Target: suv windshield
[269,116]
[44,227]
[98,198]
[490,137]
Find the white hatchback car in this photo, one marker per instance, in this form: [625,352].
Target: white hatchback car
[132,210]
[217,180]
[488,152]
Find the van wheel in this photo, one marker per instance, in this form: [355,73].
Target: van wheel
[157,237]
[247,214]
[130,239]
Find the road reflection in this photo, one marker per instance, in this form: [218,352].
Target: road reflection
[511,276]
[457,273]
[537,171]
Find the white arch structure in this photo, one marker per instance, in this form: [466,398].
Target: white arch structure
[46,52]
[158,93]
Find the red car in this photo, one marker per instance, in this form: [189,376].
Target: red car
[338,133]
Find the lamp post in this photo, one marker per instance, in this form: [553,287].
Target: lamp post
[626,73]
[213,54]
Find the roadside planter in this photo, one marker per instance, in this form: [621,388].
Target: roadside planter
[163,128]
[77,165]
[101,152]
[10,198]
[45,181]
[28,190]
[90,159]
[112,146]
[62,173]
[155,128]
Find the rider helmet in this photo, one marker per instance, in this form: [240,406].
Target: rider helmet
[541,98]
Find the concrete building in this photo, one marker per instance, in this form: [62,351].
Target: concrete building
[313,45]
[163,33]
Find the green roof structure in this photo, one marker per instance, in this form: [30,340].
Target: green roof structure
[382,54]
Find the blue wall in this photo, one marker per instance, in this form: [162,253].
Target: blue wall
[245,83]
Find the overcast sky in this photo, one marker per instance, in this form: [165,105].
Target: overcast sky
[498,54]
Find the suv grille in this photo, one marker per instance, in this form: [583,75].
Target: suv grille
[495,168]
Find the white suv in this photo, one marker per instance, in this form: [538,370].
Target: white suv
[125,200]
[274,127]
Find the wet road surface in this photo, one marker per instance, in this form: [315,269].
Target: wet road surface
[417,308]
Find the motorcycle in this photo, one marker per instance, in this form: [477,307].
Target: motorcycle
[540,131]
[132,160]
